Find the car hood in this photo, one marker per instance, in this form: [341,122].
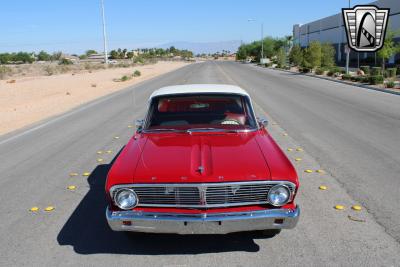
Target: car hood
[199,158]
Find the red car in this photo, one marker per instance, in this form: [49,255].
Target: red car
[201,163]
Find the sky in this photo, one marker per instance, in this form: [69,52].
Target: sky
[73,26]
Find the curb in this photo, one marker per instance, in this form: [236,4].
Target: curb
[339,81]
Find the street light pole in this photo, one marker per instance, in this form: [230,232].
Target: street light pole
[262,38]
[104,33]
[348,51]
[262,41]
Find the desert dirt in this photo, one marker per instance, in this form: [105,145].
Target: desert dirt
[30,99]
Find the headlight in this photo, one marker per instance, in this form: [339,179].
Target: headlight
[279,195]
[126,199]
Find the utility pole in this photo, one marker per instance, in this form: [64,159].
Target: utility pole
[262,41]
[104,33]
[348,52]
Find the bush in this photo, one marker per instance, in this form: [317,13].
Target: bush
[365,69]
[136,73]
[4,71]
[390,72]
[376,79]
[49,70]
[346,77]
[319,71]
[364,79]
[305,70]
[330,73]
[65,61]
[390,84]
[328,55]
[376,71]
[296,55]
[124,78]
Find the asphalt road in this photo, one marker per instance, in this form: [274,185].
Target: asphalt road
[351,133]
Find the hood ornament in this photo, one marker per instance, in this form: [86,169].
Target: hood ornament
[200,169]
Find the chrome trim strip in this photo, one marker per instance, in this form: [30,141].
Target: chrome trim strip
[200,186]
[203,223]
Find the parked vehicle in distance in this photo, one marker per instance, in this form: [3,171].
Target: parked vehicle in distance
[201,163]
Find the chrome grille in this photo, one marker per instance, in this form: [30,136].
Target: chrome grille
[167,195]
[206,195]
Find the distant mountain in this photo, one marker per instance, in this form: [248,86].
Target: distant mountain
[208,47]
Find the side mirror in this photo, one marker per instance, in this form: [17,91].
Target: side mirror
[139,124]
[263,122]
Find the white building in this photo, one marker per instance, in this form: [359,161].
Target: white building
[331,30]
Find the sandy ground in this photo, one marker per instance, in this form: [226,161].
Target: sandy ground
[31,99]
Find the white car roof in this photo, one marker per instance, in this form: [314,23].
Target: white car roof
[199,88]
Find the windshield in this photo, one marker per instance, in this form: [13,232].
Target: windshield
[206,112]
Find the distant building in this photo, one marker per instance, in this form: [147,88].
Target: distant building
[331,30]
[96,57]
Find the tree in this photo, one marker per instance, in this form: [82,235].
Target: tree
[312,55]
[389,48]
[328,55]
[281,57]
[56,55]
[114,54]
[43,56]
[296,55]
[90,52]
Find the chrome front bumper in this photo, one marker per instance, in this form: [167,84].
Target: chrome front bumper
[204,223]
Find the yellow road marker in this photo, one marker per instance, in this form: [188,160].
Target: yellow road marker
[99,152]
[299,149]
[109,151]
[319,171]
[323,187]
[308,171]
[285,134]
[86,174]
[356,207]
[49,208]
[130,126]
[99,160]
[73,174]
[71,187]
[339,207]
[34,209]
[116,137]
[290,149]
[298,159]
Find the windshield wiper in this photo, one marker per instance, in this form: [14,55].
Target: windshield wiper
[161,130]
[195,130]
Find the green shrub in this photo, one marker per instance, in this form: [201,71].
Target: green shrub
[305,70]
[319,71]
[364,79]
[346,77]
[390,72]
[136,73]
[376,79]
[365,69]
[390,84]
[124,78]
[376,71]
[65,61]
[355,78]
